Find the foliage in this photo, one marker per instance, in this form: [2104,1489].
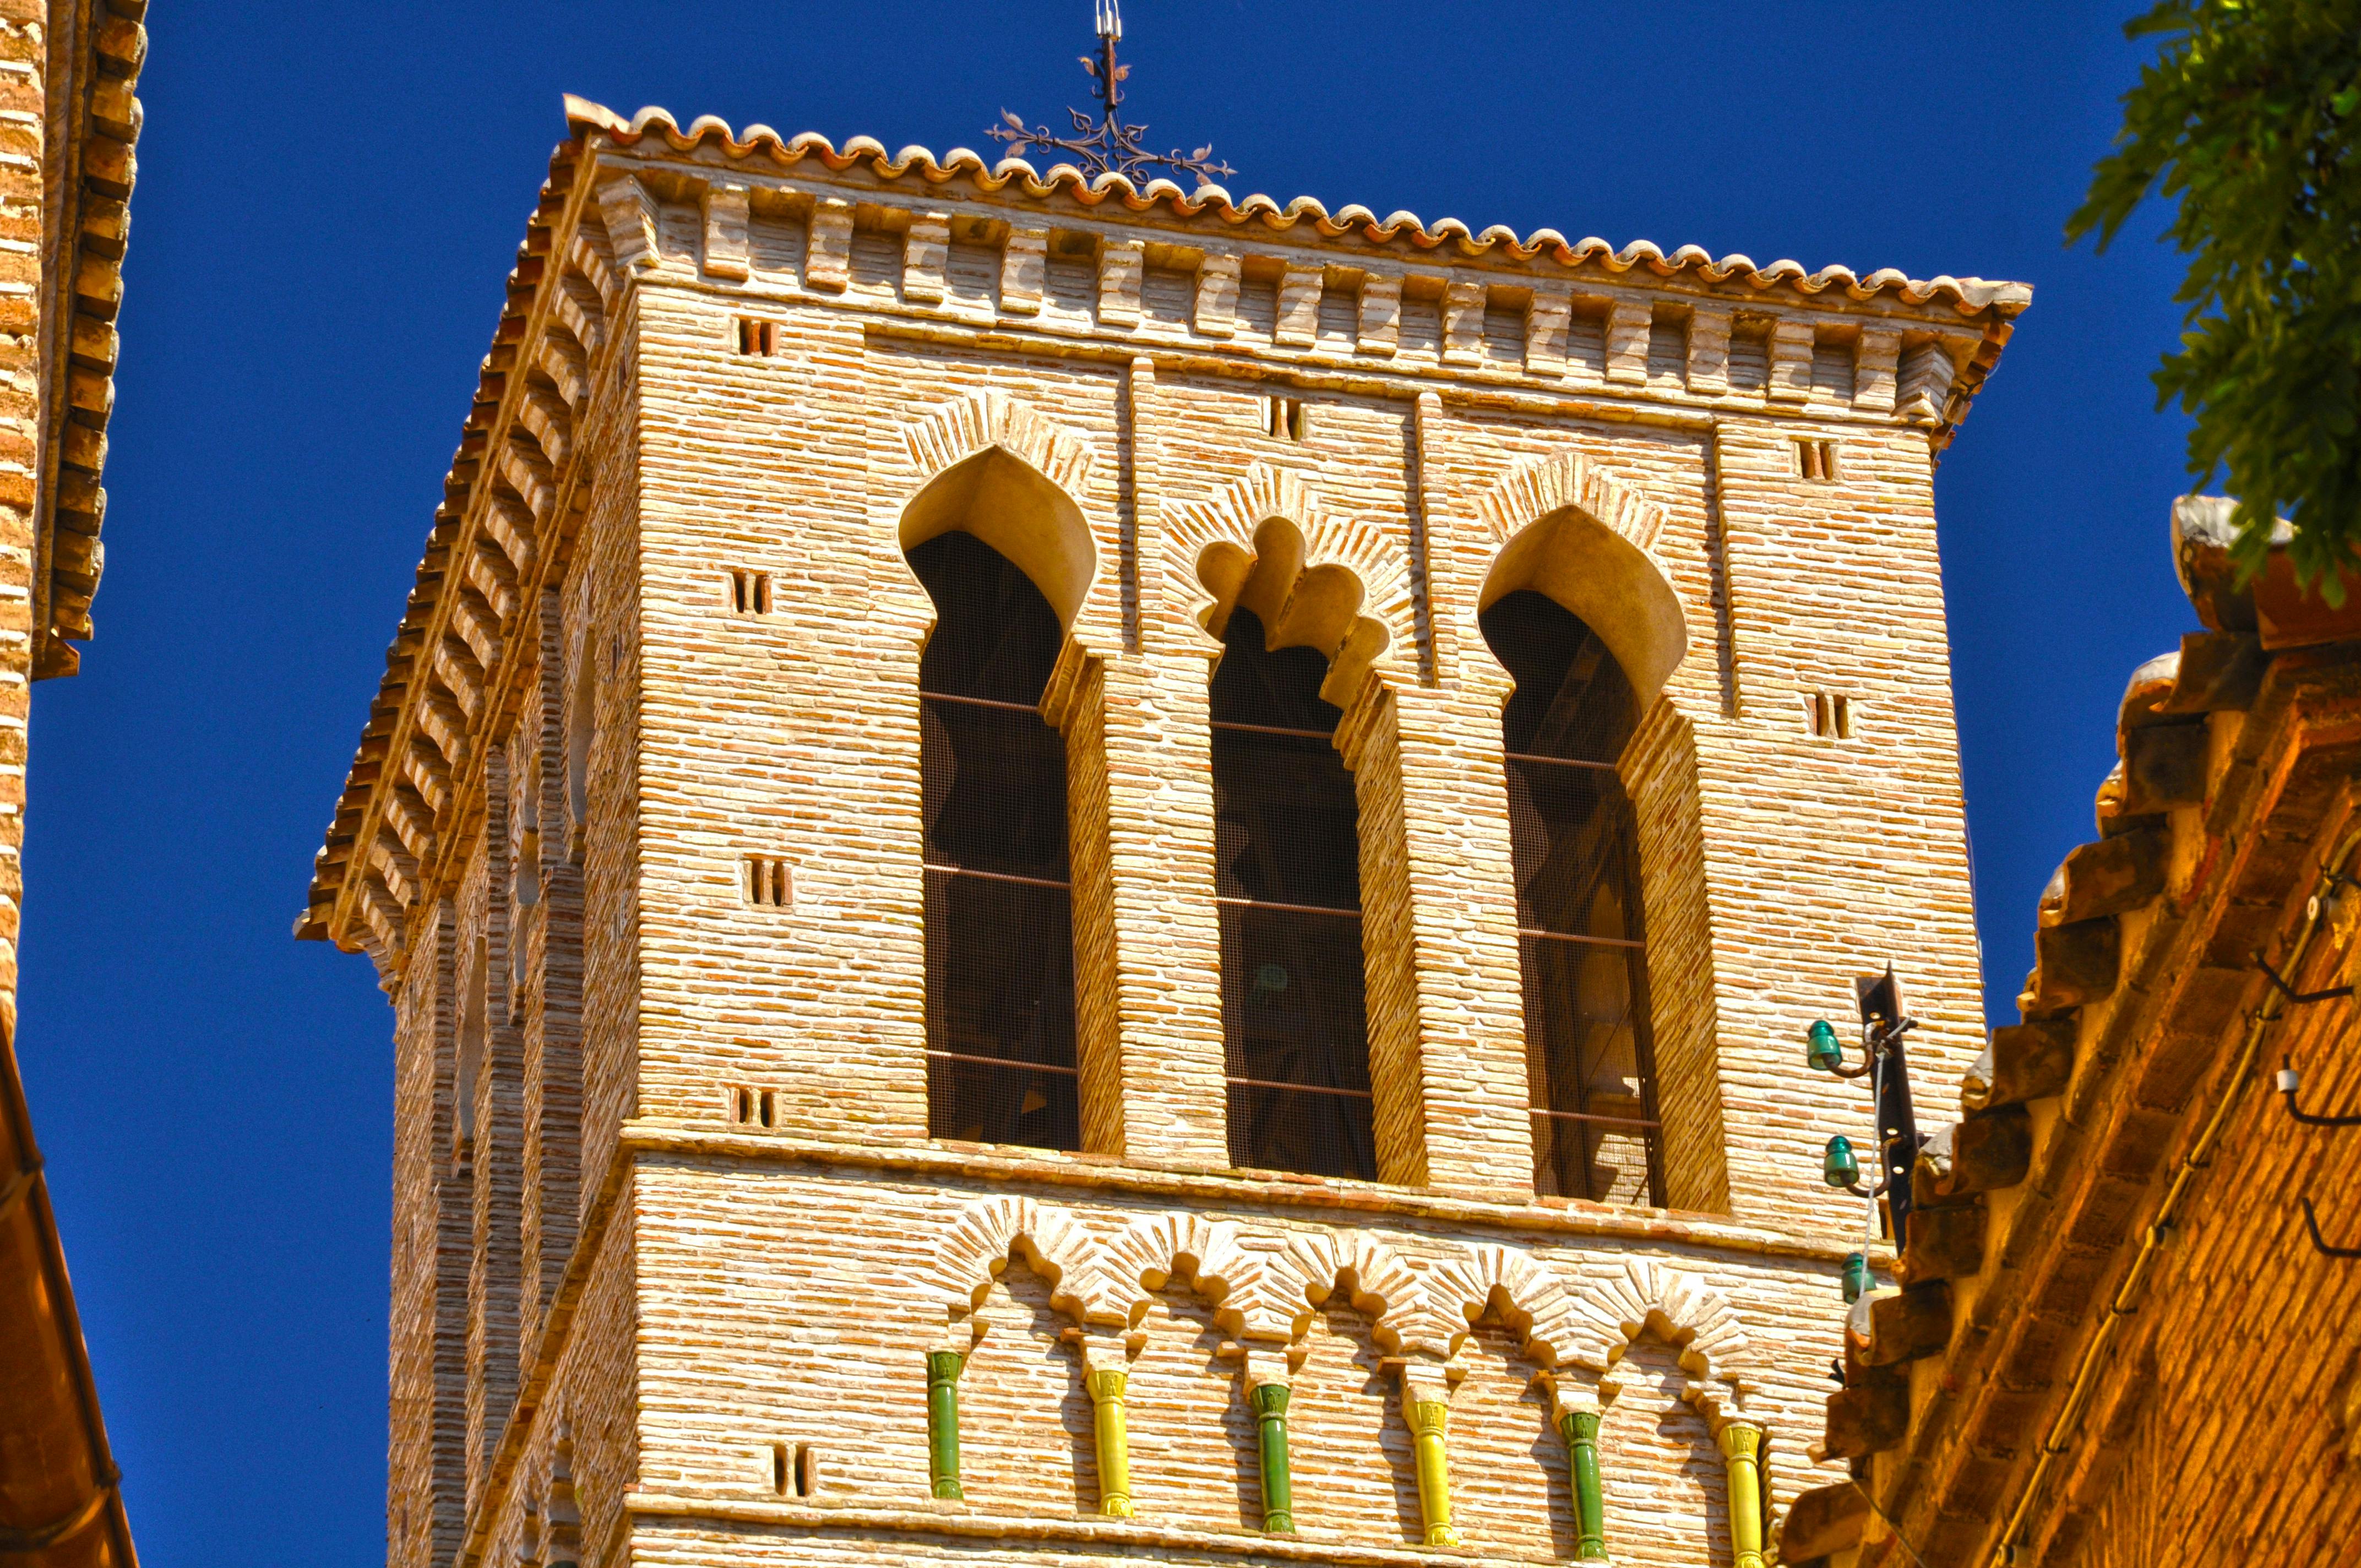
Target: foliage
[2247,119]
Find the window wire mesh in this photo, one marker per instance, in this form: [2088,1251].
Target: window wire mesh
[1288,890]
[999,920]
[1575,840]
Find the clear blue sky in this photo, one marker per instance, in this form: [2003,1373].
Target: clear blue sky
[330,196]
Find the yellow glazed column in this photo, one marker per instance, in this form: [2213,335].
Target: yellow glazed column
[1741,1449]
[1426,1399]
[1105,1371]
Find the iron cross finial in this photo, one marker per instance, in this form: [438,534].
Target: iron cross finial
[1106,145]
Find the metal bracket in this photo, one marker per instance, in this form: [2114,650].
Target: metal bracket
[2289,1080]
[2301,998]
[2311,1221]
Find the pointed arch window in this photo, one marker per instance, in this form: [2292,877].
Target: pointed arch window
[1295,1033]
[1589,1054]
[999,920]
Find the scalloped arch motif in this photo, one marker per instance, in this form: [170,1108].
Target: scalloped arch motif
[1532,491]
[962,428]
[1156,1249]
[1684,1310]
[976,1247]
[1310,1267]
[1460,1293]
[1232,515]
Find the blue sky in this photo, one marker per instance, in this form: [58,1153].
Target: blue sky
[330,197]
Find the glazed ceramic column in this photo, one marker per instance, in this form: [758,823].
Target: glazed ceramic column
[1105,1373]
[1426,1401]
[1741,1450]
[1580,1429]
[1267,1394]
[943,1368]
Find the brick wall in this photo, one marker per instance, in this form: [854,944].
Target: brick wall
[748,1285]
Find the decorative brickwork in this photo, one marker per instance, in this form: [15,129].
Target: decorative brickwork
[764,1316]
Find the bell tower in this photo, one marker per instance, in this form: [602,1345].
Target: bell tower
[1069,867]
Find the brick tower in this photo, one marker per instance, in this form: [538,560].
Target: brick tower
[1072,870]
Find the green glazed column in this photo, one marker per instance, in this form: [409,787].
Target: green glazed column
[1268,1395]
[1430,1418]
[1741,1449]
[943,1368]
[1581,1431]
[1106,1385]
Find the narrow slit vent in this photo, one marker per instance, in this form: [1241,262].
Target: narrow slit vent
[1284,418]
[750,591]
[770,883]
[759,338]
[1816,461]
[1829,716]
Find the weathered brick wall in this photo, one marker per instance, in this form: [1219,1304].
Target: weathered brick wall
[751,1288]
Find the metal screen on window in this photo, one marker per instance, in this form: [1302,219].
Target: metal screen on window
[1588,1054]
[1289,888]
[999,917]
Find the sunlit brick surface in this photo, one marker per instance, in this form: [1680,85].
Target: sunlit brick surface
[762,1242]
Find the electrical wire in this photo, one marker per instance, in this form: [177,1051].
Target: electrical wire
[2198,1158]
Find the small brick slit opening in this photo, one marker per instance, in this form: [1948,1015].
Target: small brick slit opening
[1817,460]
[750,592]
[1829,716]
[769,882]
[1284,418]
[759,338]
[795,1470]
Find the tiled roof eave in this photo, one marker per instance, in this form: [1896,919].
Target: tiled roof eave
[86,229]
[1970,298]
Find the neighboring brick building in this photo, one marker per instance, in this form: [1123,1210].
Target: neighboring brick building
[2120,1342]
[1088,1107]
[68,123]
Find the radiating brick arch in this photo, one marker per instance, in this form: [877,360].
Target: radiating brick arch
[1014,479]
[1265,543]
[966,426]
[1310,1268]
[1529,1296]
[1569,529]
[1157,1249]
[1642,1295]
[976,1247]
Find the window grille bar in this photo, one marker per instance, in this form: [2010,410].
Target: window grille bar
[1299,1088]
[1029,708]
[1562,762]
[999,876]
[1602,1120]
[1577,936]
[1283,908]
[933,1055]
[1237,728]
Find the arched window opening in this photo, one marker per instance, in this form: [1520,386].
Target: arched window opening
[1574,838]
[999,917]
[1295,1035]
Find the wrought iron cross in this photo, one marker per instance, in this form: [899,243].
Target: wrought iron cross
[1106,145]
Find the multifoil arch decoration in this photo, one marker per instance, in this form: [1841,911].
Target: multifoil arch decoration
[976,1248]
[1642,1295]
[1312,1268]
[1528,1297]
[1569,529]
[1158,1250]
[1264,543]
